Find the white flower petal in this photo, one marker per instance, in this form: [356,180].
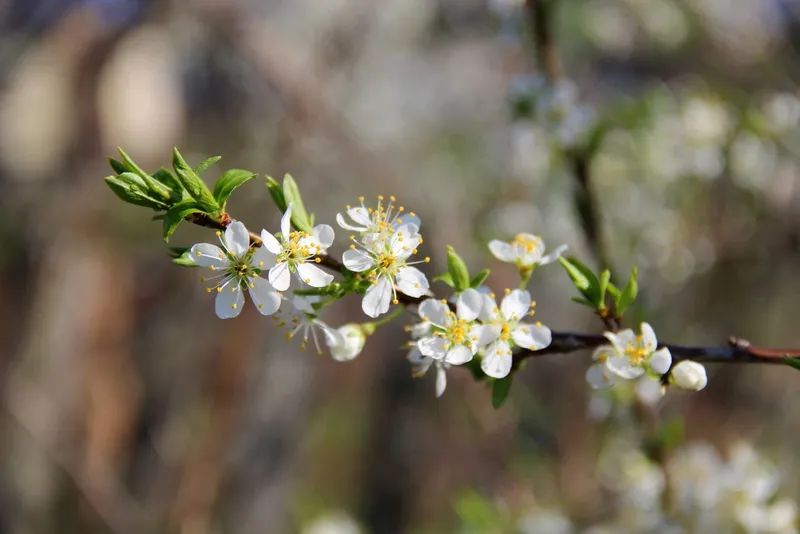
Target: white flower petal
[660,361]
[622,339]
[263,258]
[603,352]
[346,342]
[270,242]
[361,216]
[305,303]
[497,360]
[357,261]
[379,296]
[341,221]
[458,355]
[482,335]
[532,336]
[433,347]
[279,276]
[207,255]
[421,363]
[622,366]
[469,305]
[502,251]
[286,223]
[554,255]
[649,340]
[324,235]
[434,311]
[237,239]
[597,378]
[404,242]
[264,296]
[516,304]
[441,380]
[313,275]
[229,301]
[410,220]
[412,281]
[489,309]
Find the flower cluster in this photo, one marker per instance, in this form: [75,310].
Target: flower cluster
[630,356]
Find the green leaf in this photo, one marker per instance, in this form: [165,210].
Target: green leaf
[613,291]
[133,194]
[500,390]
[206,164]
[276,192]
[168,179]
[458,270]
[584,279]
[792,362]
[156,188]
[118,166]
[628,294]
[292,195]
[228,182]
[605,279]
[177,213]
[193,184]
[581,300]
[446,278]
[479,278]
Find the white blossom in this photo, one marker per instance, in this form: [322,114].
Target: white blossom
[689,375]
[300,320]
[525,251]
[236,267]
[506,330]
[384,260]
[598,375]
[380,221]
[635,354]
[295,253]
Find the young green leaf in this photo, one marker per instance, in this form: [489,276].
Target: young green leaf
[193,184]
[168,179]
[228,182]
[458,270]
[206,164]
[184,259]
[276,192]
[500,390]
[156,188]
[605,279]
[132,194]
[292,194]
[118,166]
[479,278]
[177,213]
[792,362]
[446,278]
[628,294]
[584,279]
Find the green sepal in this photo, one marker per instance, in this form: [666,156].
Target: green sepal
[458,270]
[500,389]
[197,189]
[228,182]
[132,194]
[446,278]
[292,195]
[182,256]
[177,213]
[155,187]
[584,279]
[479,279]
[628,294]
[206,164]
[276,192]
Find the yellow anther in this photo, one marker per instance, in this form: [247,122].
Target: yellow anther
[202,279]
[380,197]
[533,304]
[352,247]
[252,285]
[260,306]
[416,285]
[221,256]
[507,291]
[444,301]
[197,254]
[361,199]
[395,301]
[307,280]
[212,268]
[491,295]
[532,313]
[208,290]
[218,233]
[391,198]
[401,209]
[219,290]
[318,260]
[233,289]
[233,306]
[413,251]
[261,264]
[412,213]
[427,260]
[539,324]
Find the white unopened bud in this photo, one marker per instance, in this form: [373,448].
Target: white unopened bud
[689,375]
[346,342]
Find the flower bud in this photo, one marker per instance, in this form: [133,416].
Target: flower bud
[346,342]
[689,375]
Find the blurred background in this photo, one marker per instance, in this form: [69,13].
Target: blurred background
[127,406]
